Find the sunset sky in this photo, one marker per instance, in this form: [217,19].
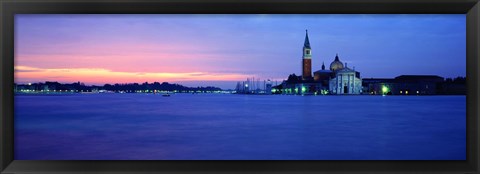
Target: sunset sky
[218,50]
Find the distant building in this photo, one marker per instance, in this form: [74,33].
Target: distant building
[338,80]
[405,85]
[377,86]
[346,81]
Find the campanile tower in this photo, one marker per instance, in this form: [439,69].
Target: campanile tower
[306,59]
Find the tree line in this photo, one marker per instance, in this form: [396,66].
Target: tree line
[127,87]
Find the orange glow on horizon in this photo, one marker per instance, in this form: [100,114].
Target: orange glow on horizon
[104,76]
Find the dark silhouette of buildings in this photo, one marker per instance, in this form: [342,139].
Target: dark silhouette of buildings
[414,85]
[123,88]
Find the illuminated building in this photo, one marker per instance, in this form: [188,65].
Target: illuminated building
[346,80]
[338,80]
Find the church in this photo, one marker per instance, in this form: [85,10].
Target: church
[338,79]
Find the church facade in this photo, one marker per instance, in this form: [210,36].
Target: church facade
[339,79]
[345,82]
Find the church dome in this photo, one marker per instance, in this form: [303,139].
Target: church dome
[336,64]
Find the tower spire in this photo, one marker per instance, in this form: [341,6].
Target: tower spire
[336,58]
[307,42]
[306,59]
[323,65]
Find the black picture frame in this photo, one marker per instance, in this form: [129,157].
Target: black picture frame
[9,8]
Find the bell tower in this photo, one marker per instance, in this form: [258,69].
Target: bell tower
[307,59]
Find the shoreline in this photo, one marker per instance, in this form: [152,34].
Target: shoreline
[93,93]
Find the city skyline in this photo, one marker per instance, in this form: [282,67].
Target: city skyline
[219,50]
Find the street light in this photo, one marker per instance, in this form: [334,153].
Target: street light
[385,89]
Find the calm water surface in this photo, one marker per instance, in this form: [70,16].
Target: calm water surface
[223,126]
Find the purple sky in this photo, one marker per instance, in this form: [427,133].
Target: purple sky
[221,49]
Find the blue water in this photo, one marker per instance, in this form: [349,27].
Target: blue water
[250,127]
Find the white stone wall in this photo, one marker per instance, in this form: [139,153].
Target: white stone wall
[348,79]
